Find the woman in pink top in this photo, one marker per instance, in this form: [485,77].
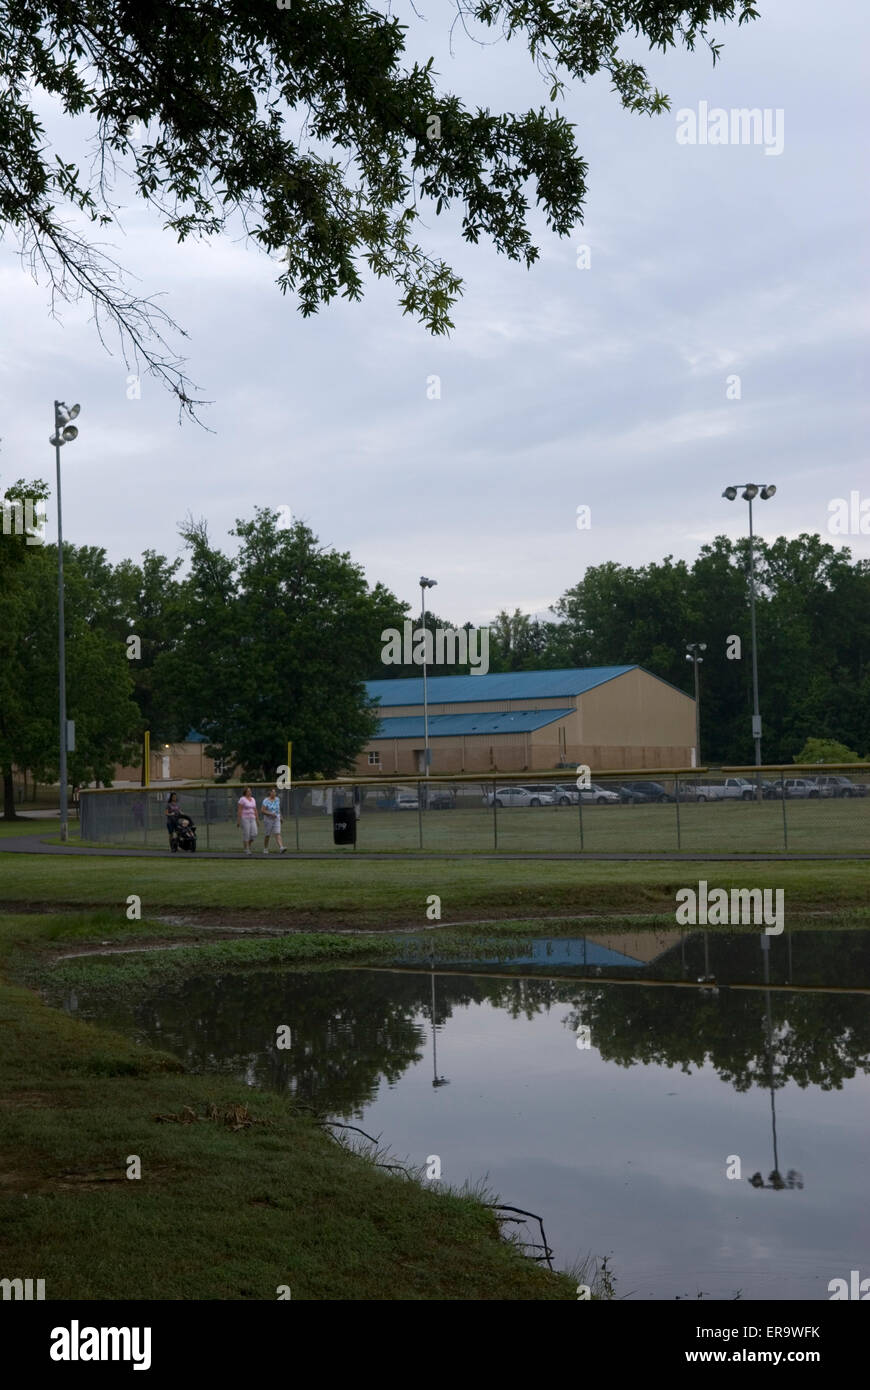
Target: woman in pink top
[246,817]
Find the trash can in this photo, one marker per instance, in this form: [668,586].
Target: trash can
[344,826]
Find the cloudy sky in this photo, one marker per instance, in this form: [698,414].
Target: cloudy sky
[561,387]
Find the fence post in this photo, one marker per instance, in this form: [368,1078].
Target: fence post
[677,804]
[207,821]
[296,813]
[494,818]
[420,815]
[784,817]
[580,815]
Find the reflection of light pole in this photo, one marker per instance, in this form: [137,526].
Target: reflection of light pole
[776,1182]
[751,490]
[436,1079]
[692,650]
[64,433]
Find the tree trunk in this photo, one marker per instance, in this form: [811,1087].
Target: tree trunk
[8,796]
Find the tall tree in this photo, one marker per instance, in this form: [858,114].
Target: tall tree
[303,123]
[98,678]
[278,640]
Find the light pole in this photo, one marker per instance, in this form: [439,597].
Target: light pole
[424,585]
[751,490]
[64,433]
[692,650]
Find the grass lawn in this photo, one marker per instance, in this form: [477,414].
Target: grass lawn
[350,892]
[239,1194]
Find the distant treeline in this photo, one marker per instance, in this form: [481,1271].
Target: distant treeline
[274,642]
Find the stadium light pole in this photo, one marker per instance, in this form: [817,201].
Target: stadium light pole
[424,585]
[750,491]
[64,433]
[692,650]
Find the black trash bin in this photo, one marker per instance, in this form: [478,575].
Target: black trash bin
[344,826]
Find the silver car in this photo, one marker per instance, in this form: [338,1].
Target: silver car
[519,796]
[800,787]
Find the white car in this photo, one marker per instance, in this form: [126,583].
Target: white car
[519,796]
[407,801]
[598,795]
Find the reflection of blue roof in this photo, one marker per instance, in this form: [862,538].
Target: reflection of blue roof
[502,685]
[557,952]
[446,725]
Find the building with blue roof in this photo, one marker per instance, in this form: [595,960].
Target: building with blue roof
[610,717]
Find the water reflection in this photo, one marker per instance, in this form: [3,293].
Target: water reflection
[766,1039]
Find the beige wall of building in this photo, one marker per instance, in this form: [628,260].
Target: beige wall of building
[180,762]
[632,721]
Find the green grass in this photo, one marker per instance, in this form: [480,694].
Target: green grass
[823,826]
[351,893]
[220,1212]
[30,826]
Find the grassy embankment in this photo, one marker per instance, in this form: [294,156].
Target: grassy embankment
[228,1209]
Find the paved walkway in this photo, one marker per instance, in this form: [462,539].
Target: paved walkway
[33,844]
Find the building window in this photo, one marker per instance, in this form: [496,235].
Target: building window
[374,759]
[220,767]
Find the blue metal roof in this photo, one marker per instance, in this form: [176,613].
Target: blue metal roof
[450,725]
[194,737]
[504,685]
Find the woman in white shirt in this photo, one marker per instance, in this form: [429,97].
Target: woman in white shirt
[271,808]
[246,818]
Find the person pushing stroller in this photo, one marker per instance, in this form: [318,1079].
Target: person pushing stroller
[180,827]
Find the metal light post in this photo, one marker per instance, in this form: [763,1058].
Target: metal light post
[64,433]
[751,490]
[424,585]
[692,650]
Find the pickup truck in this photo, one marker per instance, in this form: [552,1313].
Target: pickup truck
[732,789]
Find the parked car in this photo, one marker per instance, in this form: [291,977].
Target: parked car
[546,789]
[731,789]
[565,794]
[439,799]
[598,795]
[801,787]
[771,791]
[518,796]
[631,792]
[407,800]
[840,786]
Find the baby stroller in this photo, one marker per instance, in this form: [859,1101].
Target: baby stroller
[183,835]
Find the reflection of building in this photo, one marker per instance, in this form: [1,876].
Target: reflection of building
[605,716]
[608,952]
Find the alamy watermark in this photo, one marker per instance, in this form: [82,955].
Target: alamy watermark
[21,518]
[739,126]
[745,907]
[22,1288]
[448,646]
[849,518]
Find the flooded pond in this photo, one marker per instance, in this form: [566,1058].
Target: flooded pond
[609,1083]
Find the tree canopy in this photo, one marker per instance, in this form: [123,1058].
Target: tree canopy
[305,124]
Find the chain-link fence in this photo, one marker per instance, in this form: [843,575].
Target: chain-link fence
[726,812]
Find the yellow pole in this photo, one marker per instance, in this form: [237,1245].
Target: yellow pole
[147,757]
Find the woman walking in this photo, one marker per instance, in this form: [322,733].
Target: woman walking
[271,808]
[246,817]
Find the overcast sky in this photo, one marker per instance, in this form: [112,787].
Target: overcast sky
[560,387]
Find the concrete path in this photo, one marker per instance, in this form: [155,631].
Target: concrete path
[33,844]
